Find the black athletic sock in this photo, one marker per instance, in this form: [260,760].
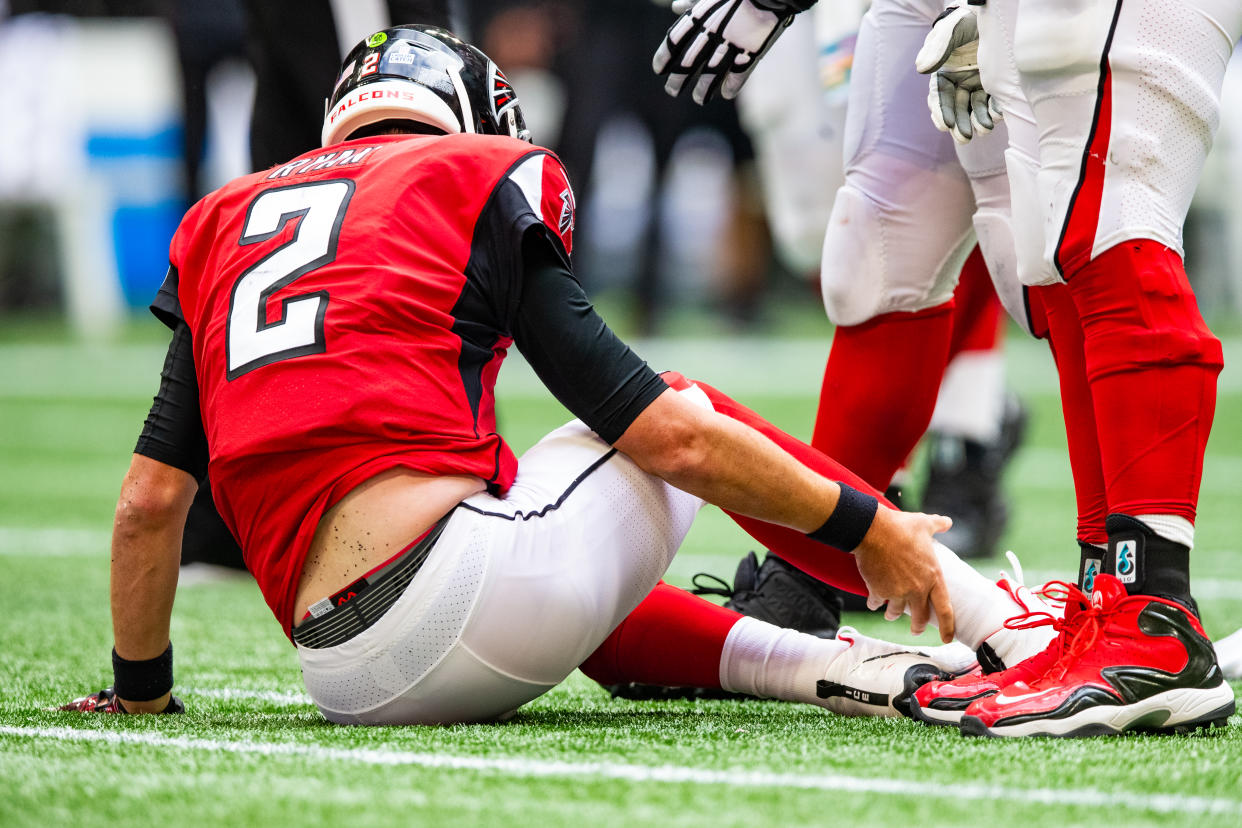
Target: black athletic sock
[1090,564]
[1147,563]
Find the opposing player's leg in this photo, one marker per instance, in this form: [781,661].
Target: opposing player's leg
[1103,99]
[899,232]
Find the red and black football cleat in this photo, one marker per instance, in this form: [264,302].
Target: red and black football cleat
[1128,663]
[106,701]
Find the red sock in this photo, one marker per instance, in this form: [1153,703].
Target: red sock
[977,318]
[1065,340]
[872,425]
[823,562]
[673,638]
[1152,365]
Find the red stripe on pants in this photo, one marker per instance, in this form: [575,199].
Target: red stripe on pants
[1083,213]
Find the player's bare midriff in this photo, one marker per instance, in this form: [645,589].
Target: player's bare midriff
[373,523]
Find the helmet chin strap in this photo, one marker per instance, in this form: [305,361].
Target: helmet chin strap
[463,98]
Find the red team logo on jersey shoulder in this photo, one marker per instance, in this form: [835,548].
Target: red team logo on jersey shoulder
[566,222]
[559,205]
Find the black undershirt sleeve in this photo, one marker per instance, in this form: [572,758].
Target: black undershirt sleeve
[580,360]
[173,433]
[166,306]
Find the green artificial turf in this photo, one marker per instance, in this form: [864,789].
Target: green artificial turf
[252,750]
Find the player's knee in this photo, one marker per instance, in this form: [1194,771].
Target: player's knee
[996,241]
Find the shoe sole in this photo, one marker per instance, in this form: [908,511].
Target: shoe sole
[939,718]
[1173,711]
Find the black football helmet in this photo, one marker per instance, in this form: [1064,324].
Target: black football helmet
[424,74]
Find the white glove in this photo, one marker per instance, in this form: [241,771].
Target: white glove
[958,102]
[715,44]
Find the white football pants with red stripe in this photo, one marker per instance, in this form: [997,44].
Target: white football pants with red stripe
[1111,107]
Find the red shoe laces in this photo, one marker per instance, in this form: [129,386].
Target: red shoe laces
[1081,629]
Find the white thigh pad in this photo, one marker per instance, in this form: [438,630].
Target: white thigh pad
[902,255]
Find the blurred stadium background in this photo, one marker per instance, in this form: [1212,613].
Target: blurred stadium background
[118,114]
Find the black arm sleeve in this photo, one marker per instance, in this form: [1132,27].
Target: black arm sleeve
[581,361]
[173,433]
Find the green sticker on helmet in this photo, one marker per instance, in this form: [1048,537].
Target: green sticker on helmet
[376,39]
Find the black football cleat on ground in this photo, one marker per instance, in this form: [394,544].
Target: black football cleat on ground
[964,483]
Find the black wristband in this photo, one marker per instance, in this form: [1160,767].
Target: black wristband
[846,527]
[142,680]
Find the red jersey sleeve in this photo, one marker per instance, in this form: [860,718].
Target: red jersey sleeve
[542,180]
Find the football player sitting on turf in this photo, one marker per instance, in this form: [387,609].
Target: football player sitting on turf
[338,323]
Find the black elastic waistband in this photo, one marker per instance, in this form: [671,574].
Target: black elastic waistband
[362,603]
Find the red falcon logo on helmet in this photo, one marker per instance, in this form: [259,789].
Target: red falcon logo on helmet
[503,96]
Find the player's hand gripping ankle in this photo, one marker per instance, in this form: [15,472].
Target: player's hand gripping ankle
[898,563]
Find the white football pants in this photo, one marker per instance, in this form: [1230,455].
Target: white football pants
[515,594]
[1112,107]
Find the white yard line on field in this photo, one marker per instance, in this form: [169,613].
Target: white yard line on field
[526,767]
[46,542]
[229,694]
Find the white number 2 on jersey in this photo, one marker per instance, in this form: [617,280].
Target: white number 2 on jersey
[252,340]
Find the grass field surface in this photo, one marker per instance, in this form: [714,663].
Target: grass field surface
[252,750]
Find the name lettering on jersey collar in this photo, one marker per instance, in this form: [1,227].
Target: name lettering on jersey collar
[340,158]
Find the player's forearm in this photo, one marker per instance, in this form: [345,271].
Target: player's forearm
[146,554]
[741,470]
[727,463]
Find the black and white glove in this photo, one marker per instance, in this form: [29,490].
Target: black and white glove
[715,44]
[958,102]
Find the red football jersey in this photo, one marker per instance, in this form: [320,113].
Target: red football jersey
[349,312]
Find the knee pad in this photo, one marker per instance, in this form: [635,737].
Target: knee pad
[874,263]
[1139,312]
[995,234]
